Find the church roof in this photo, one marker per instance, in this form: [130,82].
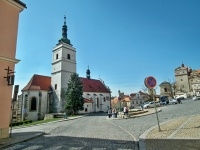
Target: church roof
[93,85]
[38,82]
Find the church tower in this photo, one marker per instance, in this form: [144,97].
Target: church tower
[63,65]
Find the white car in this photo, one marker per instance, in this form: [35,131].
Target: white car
[196,98]
[150,105]
[183,96]
[173,101]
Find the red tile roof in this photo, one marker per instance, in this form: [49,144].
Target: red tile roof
[38,82]
[92,85]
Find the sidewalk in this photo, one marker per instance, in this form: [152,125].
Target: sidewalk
[19,134]
[138,113]
[179,134]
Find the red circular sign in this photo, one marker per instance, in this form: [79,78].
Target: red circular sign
[150,82]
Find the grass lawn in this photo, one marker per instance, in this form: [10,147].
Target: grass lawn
[45,121]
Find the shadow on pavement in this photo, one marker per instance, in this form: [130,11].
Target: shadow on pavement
[49,141]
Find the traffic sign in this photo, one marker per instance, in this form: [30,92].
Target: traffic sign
[150,82]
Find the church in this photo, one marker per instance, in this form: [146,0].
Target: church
[43,94]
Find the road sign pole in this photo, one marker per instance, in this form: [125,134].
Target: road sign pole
[150,82]
[155,109]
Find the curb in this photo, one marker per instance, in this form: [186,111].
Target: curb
[61,120]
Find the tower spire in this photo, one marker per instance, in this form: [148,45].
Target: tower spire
[88,73]
[64,33]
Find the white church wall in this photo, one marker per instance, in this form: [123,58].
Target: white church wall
[104,101]
[44,104]
[27,113]
[87,108]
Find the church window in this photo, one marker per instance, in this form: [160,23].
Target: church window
[33,103]
[85,109]
[56,56]
[97,102]
[104,99]
[55,86]
[68,56]
[165,89]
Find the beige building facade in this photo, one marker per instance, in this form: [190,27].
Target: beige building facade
[187,80]
[9,17]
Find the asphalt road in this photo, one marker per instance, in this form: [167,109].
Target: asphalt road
[96,132]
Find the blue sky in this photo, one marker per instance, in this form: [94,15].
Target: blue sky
[122,41]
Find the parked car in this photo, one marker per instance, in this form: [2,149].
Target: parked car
[180,97]
[173,101]
[196,98]
[150,105]
[164,100]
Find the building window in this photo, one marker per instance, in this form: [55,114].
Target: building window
[55,87]
[68,56]
[104,99]
[140,102]
[97,102]
[165,89]
[181,79]
[33,103]
[133,102]
[136,102]
[56,56]
[85,109]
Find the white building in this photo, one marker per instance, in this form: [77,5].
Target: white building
[45,94]
[35,98]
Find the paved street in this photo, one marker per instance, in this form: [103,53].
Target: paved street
[96,132]
[137,126]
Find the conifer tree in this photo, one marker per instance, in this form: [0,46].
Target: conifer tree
[74,94]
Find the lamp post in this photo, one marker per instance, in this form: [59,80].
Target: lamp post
[119,101]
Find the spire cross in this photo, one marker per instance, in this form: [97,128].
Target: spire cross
[64,20]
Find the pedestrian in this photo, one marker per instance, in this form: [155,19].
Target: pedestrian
[114,112]
[125,112]
[109,113]
[141,106]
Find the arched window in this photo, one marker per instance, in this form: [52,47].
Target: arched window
[33,104]
[165,89]
[68,56]
[97,102]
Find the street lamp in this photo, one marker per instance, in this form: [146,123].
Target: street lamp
[119,101]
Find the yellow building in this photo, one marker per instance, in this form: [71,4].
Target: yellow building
[9,16]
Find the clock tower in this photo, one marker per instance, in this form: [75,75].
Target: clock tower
[63,65]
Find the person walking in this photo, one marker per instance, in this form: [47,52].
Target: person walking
[126,112]
[114,113]
[109,113]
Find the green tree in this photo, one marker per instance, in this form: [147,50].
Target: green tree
[74,98]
